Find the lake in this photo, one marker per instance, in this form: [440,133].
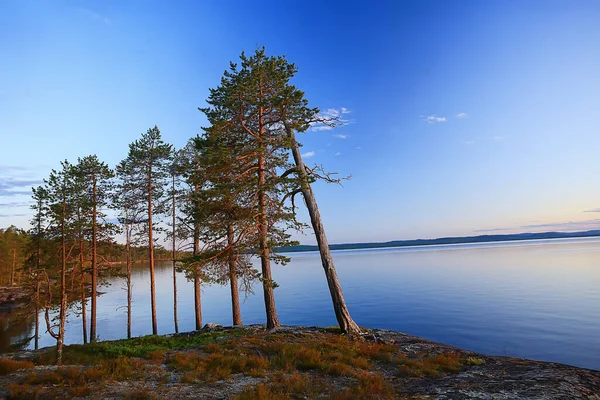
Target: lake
[532,299]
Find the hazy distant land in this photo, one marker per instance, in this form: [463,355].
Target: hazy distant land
[446,240]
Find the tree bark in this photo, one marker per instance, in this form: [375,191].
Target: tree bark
[128,261]
[197,280]
[14,264]
[265,261]
[151,254]
[174,271]
[233,280]
[63,288]
[37,313]
[94,263]
[83,295]
[345,321]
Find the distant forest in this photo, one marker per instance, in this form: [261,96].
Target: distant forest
[447,240]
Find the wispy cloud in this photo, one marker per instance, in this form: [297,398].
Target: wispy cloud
[593,210]
[469,142]
[341,136]
[15,204]
[434,119]
[462,115]
[358,147]
[12,215]
[13,187]
[338,154]
[321,128]
[336,116]
[95,15]
[499,138]
[308,154]
[493,230]
[567,226]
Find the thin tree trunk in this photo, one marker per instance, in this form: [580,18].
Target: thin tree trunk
[14,264]
[37,313]
[151,254]
[345,321]
[94,263]
[198,298]
[63,289]
[197,280]
[128,257]
[83,295]
[174,271]
[233,280]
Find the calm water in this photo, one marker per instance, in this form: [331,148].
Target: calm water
[538,299]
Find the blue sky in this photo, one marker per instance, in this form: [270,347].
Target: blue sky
[463,117]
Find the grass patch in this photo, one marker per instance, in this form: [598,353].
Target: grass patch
[142,347]
[282,386]
[473,361]
[428,366]
[8,365]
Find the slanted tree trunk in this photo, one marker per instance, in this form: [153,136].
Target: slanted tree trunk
[94,262]
[83,295]
[233,280]
[345,321]
[174,270]
[151,254]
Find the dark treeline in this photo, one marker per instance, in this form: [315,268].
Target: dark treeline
[226,197]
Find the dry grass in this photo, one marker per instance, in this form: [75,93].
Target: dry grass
[428,366]
[292,365]
[8,365]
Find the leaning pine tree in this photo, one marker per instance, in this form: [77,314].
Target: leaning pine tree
[263,102]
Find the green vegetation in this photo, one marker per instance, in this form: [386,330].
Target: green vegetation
[296,364]
[228,195]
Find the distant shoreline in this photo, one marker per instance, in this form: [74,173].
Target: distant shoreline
[446,241]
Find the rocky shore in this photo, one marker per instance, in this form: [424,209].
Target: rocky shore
[289,362]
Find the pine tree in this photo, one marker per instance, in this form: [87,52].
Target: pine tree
[246,106]
[96,185]
[148,163]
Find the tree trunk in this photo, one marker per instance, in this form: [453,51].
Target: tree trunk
[233,280]
[345,321]
[83,295]
[94,263]
[63,289]
[197,280]
[174,271]
[37,313]
[151,255]
[128,260]
[265,261]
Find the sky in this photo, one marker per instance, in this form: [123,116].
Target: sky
[462,118]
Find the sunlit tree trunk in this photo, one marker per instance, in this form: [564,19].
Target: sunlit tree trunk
[83,294]
[233,280]
[174,257]
[342,314]
[94,262]
[151,254]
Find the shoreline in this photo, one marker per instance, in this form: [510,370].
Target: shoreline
[404,365]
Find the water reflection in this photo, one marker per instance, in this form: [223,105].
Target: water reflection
[537,300]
